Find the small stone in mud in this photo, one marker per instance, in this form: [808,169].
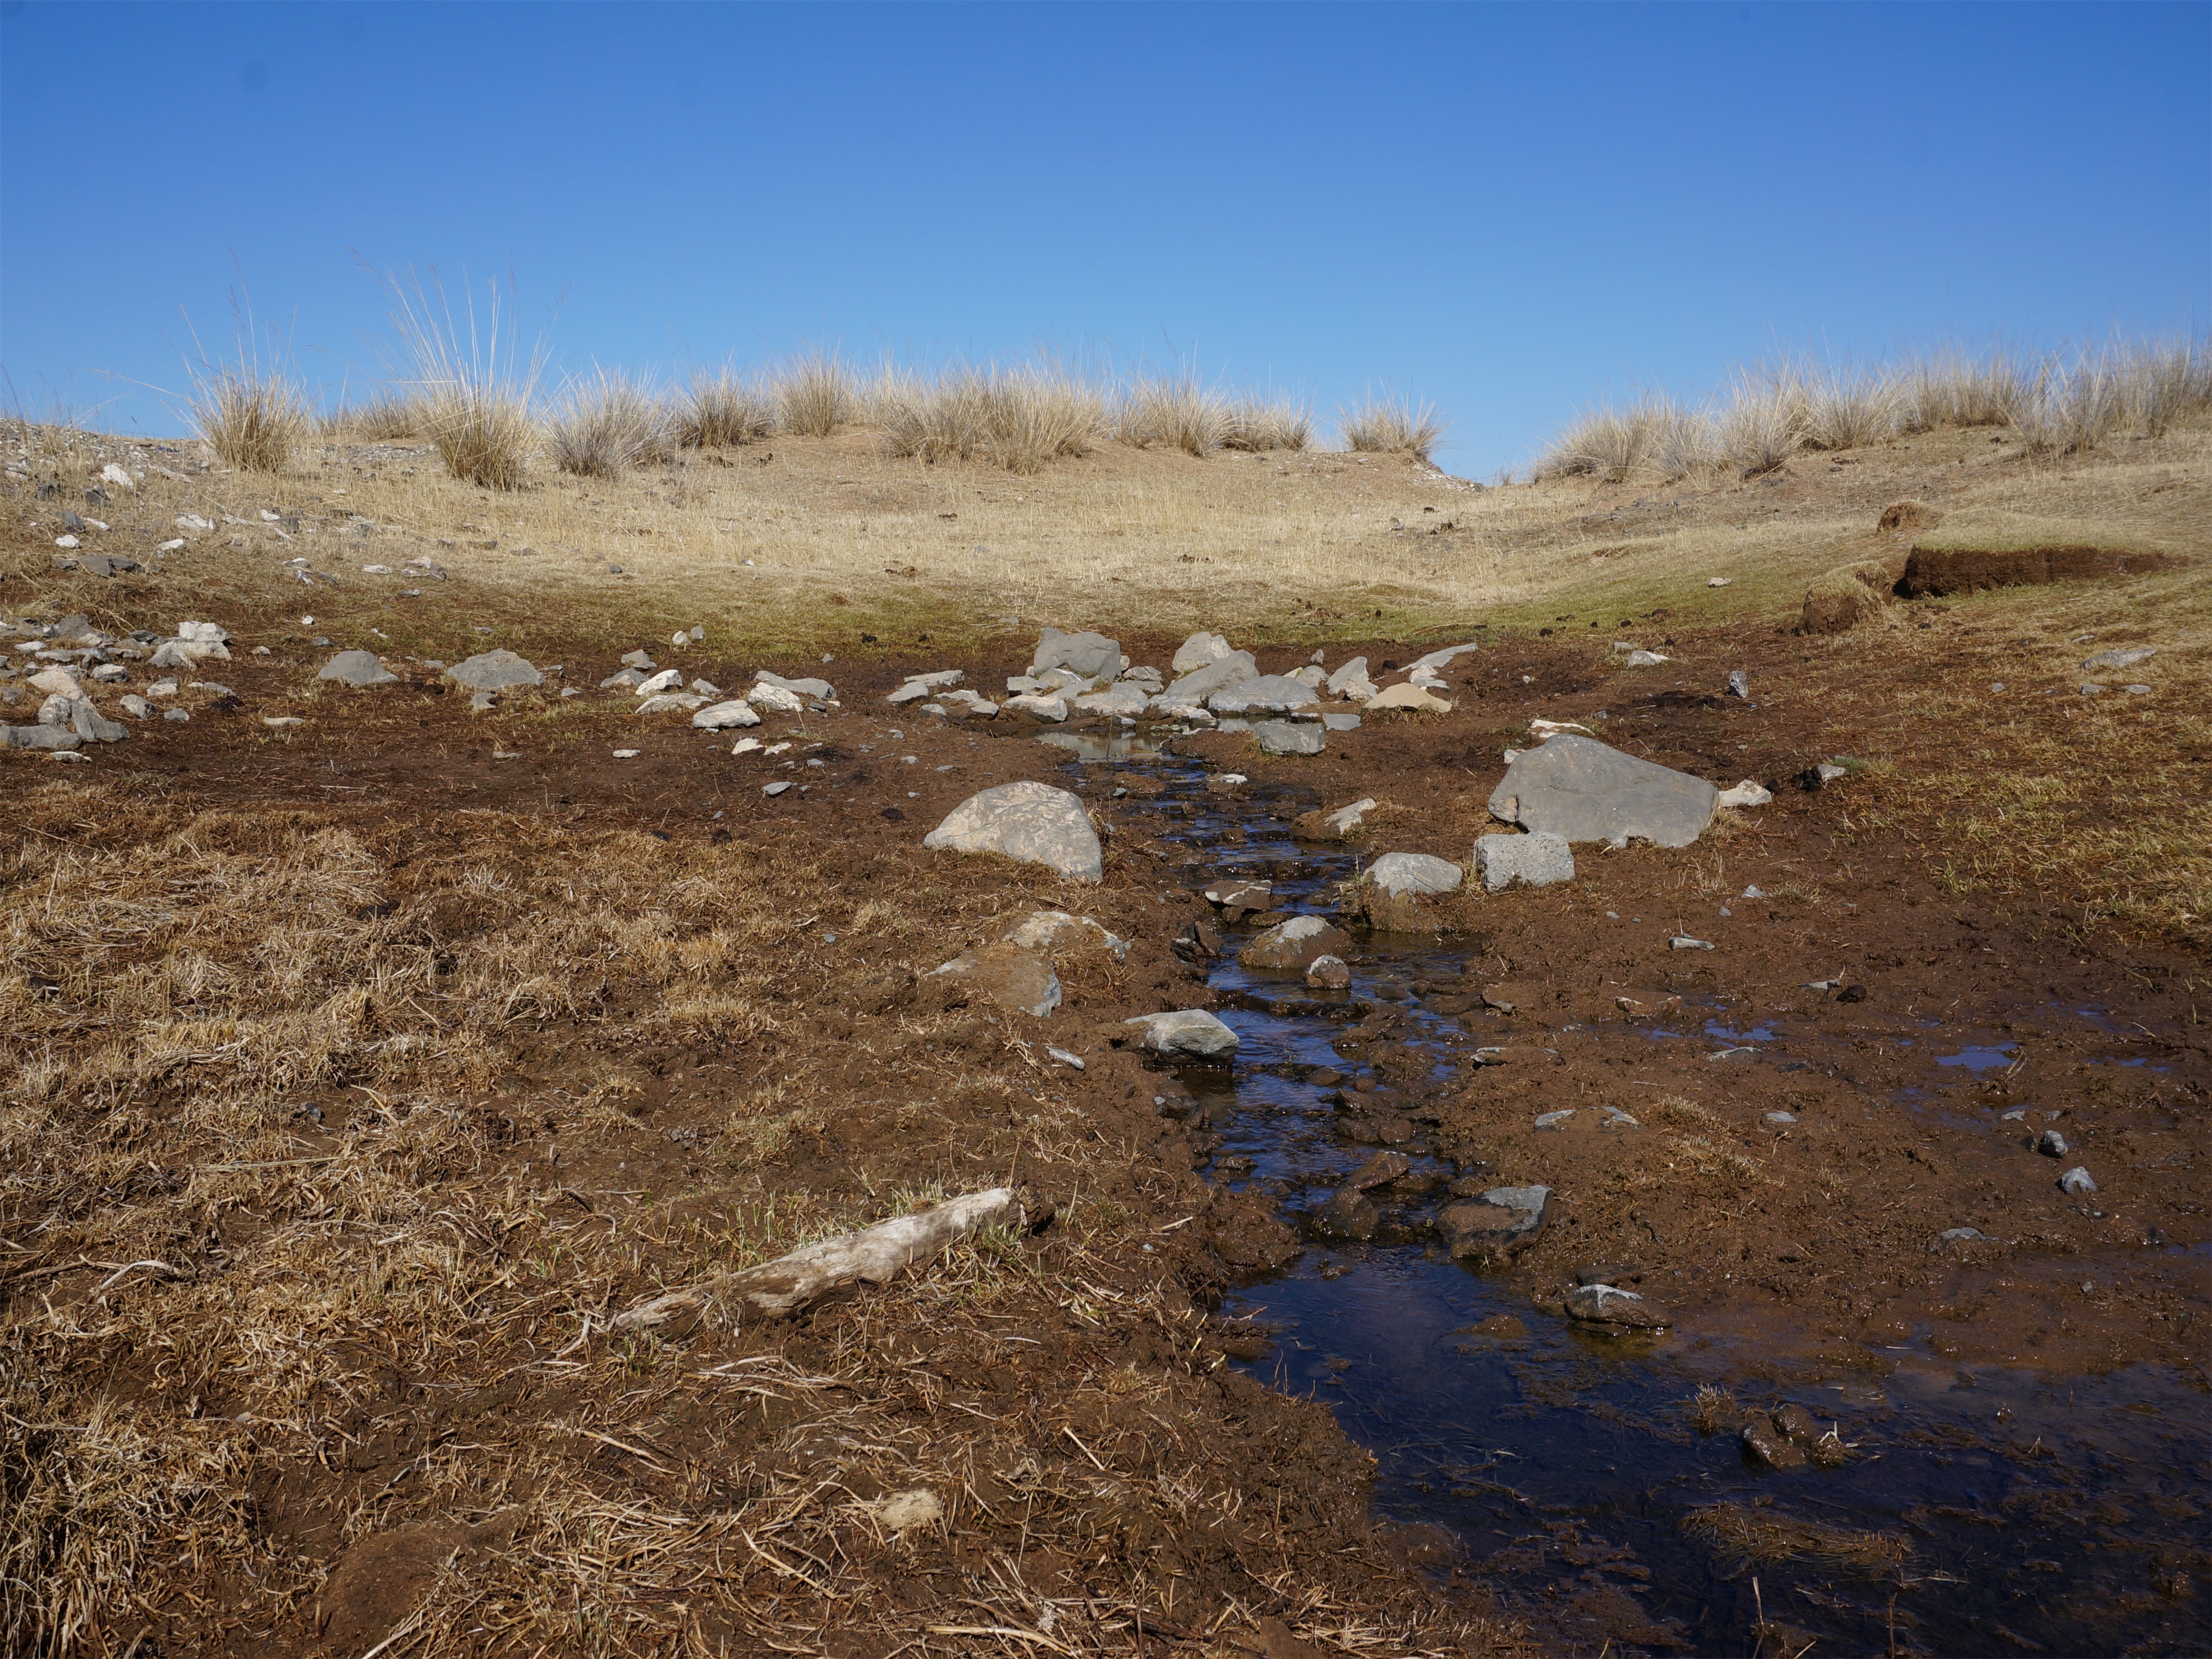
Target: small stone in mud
[1767,1443]
[1796,1422]
[1501,1219]
[1378,1171]
[1199,938]
[1328,974]
[1349,1215]
[1553,1120]
[1684,942]
[1383,1129]
[1340,824]
[2051,1144]
[1290,736]
[1400,873]
[1782,1117]
[1960,1235]
[1295,944]
[2076,1180]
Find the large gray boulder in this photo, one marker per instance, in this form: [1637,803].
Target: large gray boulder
[1263,694]
[1032,822]
[1584,790]
[1289,737]
[493,671]
[1536,860]
[1202,682]
[1186,1034]
[1092,656]
[1397,873]
[358,668]
[820,689]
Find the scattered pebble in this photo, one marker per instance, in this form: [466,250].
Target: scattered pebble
[775,789]
[1065,1058]
[627,754]
[1684,942]
[2051,1144]
[2076,1180]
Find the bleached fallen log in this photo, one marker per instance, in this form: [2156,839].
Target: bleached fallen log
[874,1255]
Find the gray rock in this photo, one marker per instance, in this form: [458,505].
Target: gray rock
[1032,822]
[94,727]
[40,737]
[1263,694]
[1021,981]
[357,668]
[1535,860]
[1553,1120]
[493,671]
[1190,1033]
[722,715]
[1200,683]
[1499,1221]
[1784,1119]
[821,691]
[775,789]
[2076,1180]
[1379,1170]
[666,680]
[1196,652]
[2091,690]
[671,703]
[1684,942]
[639,661]
[2127,658]
[1089,656]
[780,699]
[1289,737]
[1120,698]
[1608,1305]
[2051,1144]
[1328,974]
[1295,944]
[2136,690]
[1584,790]
[1054,931]
[1739,684]
[107,564]
[137,707]
[1038,706]
[1438,661]
[1396,873]
[1960,1235]
[1642,659]
[178,716]
[1340,824]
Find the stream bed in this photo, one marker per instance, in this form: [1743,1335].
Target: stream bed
[1977,1509]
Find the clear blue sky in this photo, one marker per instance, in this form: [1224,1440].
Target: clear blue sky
[1511,209]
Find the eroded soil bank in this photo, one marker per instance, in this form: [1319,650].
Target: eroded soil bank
[1110,1474]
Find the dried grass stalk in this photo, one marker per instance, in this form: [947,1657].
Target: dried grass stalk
[1393,426]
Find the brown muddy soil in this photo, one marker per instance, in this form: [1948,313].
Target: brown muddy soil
[1782,1196]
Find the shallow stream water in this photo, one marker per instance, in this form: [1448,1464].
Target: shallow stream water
[2034,1513]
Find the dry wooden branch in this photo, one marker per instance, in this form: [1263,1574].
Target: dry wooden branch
[874,1255]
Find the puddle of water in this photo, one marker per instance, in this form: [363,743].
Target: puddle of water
[2063,1514]
[1980,1059]
[1099,746]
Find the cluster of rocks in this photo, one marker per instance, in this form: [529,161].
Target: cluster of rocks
[63,662]
[1212,686]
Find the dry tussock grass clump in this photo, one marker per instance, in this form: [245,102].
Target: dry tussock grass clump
[1182,413]
[814,395]
[249,417]
[1258,424]
[605,423]
[1756,1533]
[1392,426]
[1019,419]
[475,386]
[722,411]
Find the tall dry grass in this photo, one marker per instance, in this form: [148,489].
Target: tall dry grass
[814,394]
[392,415]
[1018,419]
[474,383]
[1257,424]
[2065,402]
[721,410]
[1393,425]
[1181,413]
[605,423]
[249,416]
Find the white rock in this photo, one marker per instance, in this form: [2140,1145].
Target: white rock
[722,715]
[1535,860]
[1057,930]
[671,702]
[1413,872]
[1718,581]
[819,689]
[776,699]
[1188,1031]
[666,679]
[1038,706]
[115,475]
[1436,660]
[67,541]
[1747,793]
[1350,682]
[137,707]
[163,689]
[213,633]
[1411,698]
[55,681]
[1196,652]
[1032,822]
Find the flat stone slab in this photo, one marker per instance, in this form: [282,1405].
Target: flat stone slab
[820,690]
[357,668]
[1035,823]
[1090,656]
[493,671]
[2125,658]
[1584,790]
[1188,1033]
[1535,860]
[718,717]
[1200,683]
[1052,931]
[1397,873]
[1412,698]
[1263,694]
[1020,981]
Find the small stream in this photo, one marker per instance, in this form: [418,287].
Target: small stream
[2064,1515]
